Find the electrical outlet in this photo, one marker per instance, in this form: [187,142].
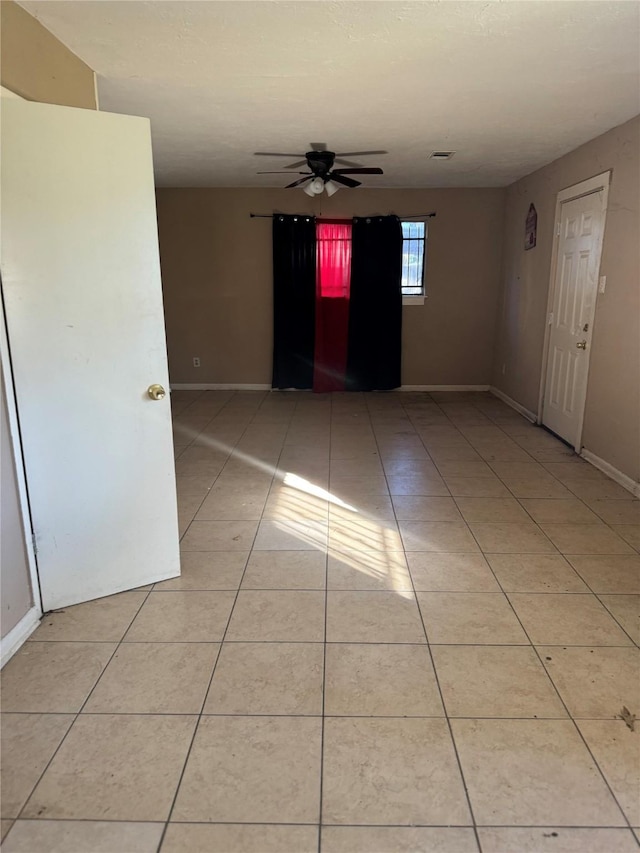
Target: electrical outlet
[602,283]
[196,361]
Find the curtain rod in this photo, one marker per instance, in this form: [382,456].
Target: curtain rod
[313,216]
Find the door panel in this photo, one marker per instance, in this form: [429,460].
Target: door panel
[81,283]
[571,321]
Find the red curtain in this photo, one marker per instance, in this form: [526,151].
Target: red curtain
[333,278]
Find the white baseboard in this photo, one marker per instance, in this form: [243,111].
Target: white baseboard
[530,416]
[10,644]
[234,386]
[444,388]
[608,469]
[219,386]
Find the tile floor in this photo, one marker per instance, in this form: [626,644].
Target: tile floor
[406,622]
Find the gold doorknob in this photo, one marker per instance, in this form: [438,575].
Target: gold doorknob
[581,345]
[156,392]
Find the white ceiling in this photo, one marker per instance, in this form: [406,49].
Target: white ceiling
[509,86]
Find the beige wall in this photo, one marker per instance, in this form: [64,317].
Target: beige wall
[37,66]
[612,415]
[217,279]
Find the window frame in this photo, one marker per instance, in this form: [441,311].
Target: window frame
[417,299]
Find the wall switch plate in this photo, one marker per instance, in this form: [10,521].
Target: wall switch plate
[602,283]
[196,362]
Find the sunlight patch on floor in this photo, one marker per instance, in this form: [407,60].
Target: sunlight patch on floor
[358,539]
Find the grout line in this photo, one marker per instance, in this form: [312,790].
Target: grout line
[606,609]
[229,455]
[636,643]
[628,645]
[537,653]
[382,436]
[362,589]
[80,820]
[204,701]
[564,705]
[310,716]
[77,713]
[324,656]
[444,708]
[347,552]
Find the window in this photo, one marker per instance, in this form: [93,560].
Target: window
[333,258]
[414,241]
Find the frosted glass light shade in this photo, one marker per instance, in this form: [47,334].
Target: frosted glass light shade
[331,187]
[315,187]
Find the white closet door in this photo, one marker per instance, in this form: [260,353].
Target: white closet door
[81,283]
[574,299]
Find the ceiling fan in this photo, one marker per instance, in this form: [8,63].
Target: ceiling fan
[322,175]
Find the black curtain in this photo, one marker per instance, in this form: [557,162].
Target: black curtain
[294,293]
[375,315]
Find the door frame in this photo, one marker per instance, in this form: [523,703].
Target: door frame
[598,184]
[29,622]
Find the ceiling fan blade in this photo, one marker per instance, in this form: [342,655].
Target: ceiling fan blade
[349,163]
[297,164]
[297,183]
[359,153]
[361,171]
[340,179]
[281,172]
[318,146]
[274,154]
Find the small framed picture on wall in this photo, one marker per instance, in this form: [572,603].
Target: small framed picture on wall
[531,228]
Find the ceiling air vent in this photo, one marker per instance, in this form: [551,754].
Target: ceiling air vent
[441,155]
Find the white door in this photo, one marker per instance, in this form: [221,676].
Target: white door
[572,314]
[81,283]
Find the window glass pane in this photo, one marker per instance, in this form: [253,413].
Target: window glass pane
[413,251]
[413,230]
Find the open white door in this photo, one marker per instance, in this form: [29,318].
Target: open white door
[83,300]
[575,281]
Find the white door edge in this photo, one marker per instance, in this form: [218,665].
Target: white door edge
[597,184]
[16,444]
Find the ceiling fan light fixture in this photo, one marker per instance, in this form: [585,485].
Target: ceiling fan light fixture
[321,173]
[315,187]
